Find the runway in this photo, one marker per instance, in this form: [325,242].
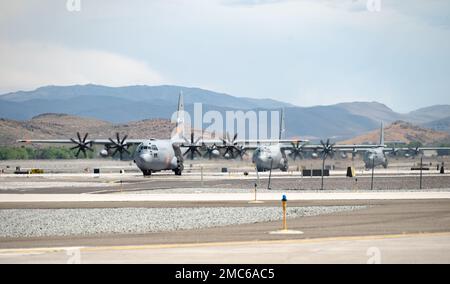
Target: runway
[429,248]
[200,197]
[171,184]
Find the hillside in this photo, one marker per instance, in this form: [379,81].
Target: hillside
[402,131]
[373,110]
[159,95]
[119,105]
[61,126]
[439,125]
[428,114]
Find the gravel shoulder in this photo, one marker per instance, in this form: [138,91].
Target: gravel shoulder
[27,223]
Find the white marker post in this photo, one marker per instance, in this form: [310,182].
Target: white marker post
[255,200]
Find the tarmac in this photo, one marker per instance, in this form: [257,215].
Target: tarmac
[428,248]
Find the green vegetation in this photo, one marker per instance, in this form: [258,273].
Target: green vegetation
[444,152]
[48,153]
[414,144]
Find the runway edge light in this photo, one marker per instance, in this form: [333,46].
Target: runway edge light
[284,230]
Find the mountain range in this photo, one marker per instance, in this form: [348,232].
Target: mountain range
[119,105]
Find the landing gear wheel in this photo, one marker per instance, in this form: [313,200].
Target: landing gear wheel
[147,173]
[285,167]
[179,169]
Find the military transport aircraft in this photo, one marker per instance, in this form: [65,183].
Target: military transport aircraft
[373,155]
[377,156]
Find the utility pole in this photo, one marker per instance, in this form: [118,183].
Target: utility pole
[421,166]
[373,171]
[323,168]
[270,173]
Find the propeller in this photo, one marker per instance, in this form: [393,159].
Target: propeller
[210,150]
[414,151]
[327,149]
[192,147]
[230,146]
[394,152]
[82,144]
[120,145]
[241,151]
[296,151]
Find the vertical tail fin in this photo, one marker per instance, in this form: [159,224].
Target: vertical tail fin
[180,109]
[180,122]
[382,134]
[282,134]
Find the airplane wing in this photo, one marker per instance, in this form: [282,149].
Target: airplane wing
[415,150]
[343,147]
[69,141]
[120,145]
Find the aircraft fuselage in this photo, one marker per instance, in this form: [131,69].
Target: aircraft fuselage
[374,158]
[270,157]
[157,155]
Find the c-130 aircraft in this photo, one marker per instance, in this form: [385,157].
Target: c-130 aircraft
[154,155]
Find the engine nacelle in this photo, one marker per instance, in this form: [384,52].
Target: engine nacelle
[215,153]
[104,153]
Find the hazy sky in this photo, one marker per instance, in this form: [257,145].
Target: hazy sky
[306,52]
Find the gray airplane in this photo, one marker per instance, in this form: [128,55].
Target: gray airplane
[377,156]
[267,157]
[274,156]
[151,155]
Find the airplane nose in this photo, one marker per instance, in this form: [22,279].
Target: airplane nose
[146,157]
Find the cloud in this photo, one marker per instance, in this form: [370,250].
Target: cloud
[30,65]
[302,51]
[251,2]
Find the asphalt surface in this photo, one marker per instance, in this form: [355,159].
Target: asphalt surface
[406,248]
[280,183]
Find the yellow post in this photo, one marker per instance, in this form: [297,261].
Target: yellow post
[284,203]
